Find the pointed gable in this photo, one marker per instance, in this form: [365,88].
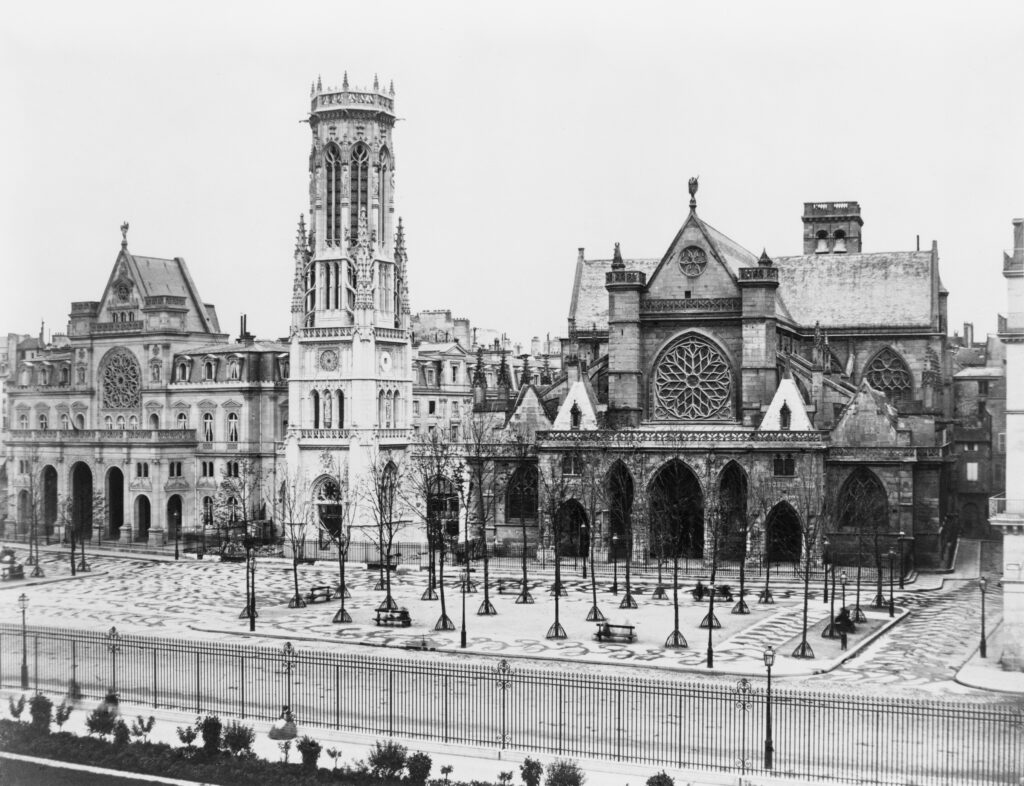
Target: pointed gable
[787,396]
[583,400]
[867,420]
[527,415]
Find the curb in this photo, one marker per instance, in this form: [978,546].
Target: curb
[65,765]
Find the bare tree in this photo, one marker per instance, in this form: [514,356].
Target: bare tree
[382,490]
[334,517]
[481,455]
[592,495]
[290,504]
[237,504]
[555,492]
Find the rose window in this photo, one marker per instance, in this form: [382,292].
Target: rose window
[888,373]
[692,381]
[120,381]
[692,261]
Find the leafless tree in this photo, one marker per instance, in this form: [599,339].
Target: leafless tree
[237,505]
[554,493]
[334,518]
[481,454]
[592,496]
[291,505]
[382,491]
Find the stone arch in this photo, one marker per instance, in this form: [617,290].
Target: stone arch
[676,503]
[48,483]
[81,499]
[692,378]
[572,529]
[143,517]
[621,493]
[115,501]
[327,503]
[732,509]
[783,534]
[889,373]
[174,509]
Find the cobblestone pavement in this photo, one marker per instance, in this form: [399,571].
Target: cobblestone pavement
[201,599]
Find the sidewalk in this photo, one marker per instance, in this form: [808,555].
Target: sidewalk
[987,674]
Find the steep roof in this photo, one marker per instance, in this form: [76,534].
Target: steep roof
[787,394]
[846,290]
[589,308]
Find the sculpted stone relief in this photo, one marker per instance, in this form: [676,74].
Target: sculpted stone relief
[120,381]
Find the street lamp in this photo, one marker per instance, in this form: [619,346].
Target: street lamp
[23,605]
[769,747]
[824,559]
[902,538]
[711,625]
[465,584]
[114,645]
[177,534]
[982,583]
[615,564]
[343,540]
[892,605]
[583,534]
[842,583]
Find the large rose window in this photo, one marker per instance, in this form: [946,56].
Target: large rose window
[888,373]
[121,381]
[692,381]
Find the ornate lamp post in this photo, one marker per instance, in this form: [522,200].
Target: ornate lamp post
[892,605]
[288,654]
[842,583]
[583,534]
[769,746]
[824,561]
[902,539]
[284,728]
[465,584]
[982,583]
[343,540]
[712,623]
[615,564]
[177,534]
[114,645]
[23,605]
[830,629]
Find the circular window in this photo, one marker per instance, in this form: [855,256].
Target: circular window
[692,261]
[120,380]
[328,360]
[692,381]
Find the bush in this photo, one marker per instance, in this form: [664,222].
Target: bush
[505,778]
[210,727]
[309,749]
[122,735]
[62,714]
[661,779]
[418,767]
[16,707]
[101,720]
[334,753]
[446,770]
[387,760]
[141,727]
[112,701]
[238,738]
[187,735]
[530,771]
[40,708]
[564,773]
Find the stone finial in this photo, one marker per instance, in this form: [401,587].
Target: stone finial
[693,192]
[765,260]
[376,84]
[617,263]
[526,377]
[319,84]
[479,378]
[504,378]
[312,89]
[124,235]
[391,87]
[344,81]
[300,234]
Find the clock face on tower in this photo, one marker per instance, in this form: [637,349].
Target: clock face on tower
[385,361]
[329,360]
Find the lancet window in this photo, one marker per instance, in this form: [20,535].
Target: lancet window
[333,194]
[359,194]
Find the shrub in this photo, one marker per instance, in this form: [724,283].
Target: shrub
[40,708]
[238,738]
[661,779]
[101,720]
[387,760]
[122,735]
[74,690]
[309,749]
[446,770]
[334,753]
[530,771]
[112,701]
[16,707]
[285,747]
[62,713]
[564,773]
[210,727]
[187,735]
[141,727]
[418,767]
[505,778]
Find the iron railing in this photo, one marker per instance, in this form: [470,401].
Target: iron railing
[661,722]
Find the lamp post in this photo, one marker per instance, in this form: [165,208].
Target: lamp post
[830,629]
[892,605]
[769,746]
[842,583]
[114,645]
[462,635]
[902,538]
[177,534]
[824,560]
[982,583]
[23,605]
[615,564]
[288,653]
[711,625]
[342,615]
[583,534]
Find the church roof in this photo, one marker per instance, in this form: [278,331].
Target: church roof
[846,290]
[589,306]
[232,348]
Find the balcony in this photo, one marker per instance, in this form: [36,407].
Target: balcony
[120,436]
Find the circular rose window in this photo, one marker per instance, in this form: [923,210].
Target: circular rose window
[692,261]
[692,381]
[121,380]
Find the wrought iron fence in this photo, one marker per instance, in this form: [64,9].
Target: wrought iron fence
[661,722]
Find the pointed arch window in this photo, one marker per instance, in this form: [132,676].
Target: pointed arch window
[314,400]
[522,494]
[333,194]
[888,373]
[385,185]
[359,194]
[785,417]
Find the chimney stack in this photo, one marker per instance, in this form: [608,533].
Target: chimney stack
[968,334]
[1018,239]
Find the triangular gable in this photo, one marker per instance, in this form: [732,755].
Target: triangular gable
[580,395]
[527,414]
[788,395]
[719,277]
[867,420]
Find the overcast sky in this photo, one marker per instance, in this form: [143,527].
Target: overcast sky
[527,130]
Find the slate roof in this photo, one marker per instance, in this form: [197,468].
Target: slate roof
[589,305]
[869,290]
[231,348]
[980,372]
[156,277]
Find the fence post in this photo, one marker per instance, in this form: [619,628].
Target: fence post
[35,657]
[241,683]
[618,724]
[504,673]
[337,696]
[444,694]
[156,702]
[391,703]
[197,682]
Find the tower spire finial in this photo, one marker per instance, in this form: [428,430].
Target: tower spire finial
[376,84]
[693,192]
[319,84]
[617,263]
[391,87]
[344,81]
[124,235]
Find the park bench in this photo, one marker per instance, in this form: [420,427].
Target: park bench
[723,591]
[318,594]
[12,571]
[392,563]
[398,618]
[608,632]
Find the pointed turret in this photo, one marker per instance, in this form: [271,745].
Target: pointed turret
[344,82]
[503,380]
[479,379]
[526,376]
[376,84]
[765,260]
[319,84]
[545,370]
[299,283]
[391,87]
[401,258]
[617,263]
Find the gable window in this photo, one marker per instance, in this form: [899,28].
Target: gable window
[785,417]
[80,420]
[784,465]
[430,376]
[65,375]
[455,373]
[154,421]
[233,427]
[208,427]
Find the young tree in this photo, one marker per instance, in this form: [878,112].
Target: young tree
[521,487]
[291,507]
[675,509]
[591,481]
[334,516]
[555,492]
[383,493]
[237,505]
[481,455]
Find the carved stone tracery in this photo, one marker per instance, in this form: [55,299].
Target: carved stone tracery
[693,260]
[692,381]
[121,381]
[888,373]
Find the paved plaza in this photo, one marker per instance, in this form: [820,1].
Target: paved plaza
[934,633]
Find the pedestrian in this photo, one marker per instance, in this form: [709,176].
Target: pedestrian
[842,641]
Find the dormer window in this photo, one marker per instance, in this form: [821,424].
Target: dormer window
[575,416]
[785,417]
[233,371]
[209,371]
[822,247]
[182,372]
[839,247]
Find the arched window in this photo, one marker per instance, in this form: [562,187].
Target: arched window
[22,421]
[314,400]
[133,422]
[208,427]
[208,370]
[182,375]
[182,420]
[108,421]
[785,417]
[359,194]
[862,503]
[692,380]
[65,422]
[154,421]
[80,420]
[233,427]
[333,194]
[207,511]
[822,247]
[341,411]
[521,503]
[575,416]
[65,375]
[44,422]
[382,210]
[839,247]
[888,373]
[120,422]
[233,371]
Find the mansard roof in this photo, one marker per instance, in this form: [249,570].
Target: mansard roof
[859,290]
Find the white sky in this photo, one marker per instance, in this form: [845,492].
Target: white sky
[528,130]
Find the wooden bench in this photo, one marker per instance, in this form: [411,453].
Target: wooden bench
[392,563]
[319,594]
[608,632]
[399,618]
[701,591]
[9,572]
